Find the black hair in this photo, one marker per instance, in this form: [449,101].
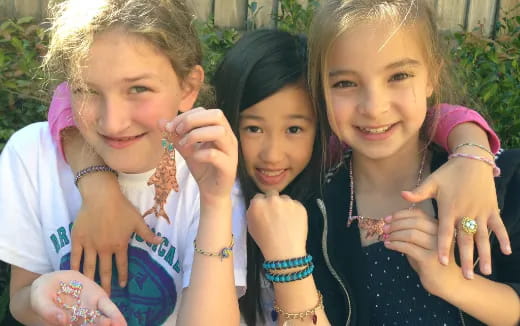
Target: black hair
[260,64]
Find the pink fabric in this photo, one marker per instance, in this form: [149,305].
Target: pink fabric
[453,115]
[60,114]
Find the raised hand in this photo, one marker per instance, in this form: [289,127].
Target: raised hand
[205,140]
[464,187]
[278,225]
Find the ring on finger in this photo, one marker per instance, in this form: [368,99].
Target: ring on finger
[468,225]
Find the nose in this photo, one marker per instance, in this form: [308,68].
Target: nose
[115,116]
[374,101]
[272,149]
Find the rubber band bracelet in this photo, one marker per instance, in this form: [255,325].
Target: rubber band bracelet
[474,145]
[93,169]
[496,169]
[296,276]
[287,263]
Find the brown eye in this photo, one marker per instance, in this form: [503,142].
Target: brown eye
[401,76]
[294,130]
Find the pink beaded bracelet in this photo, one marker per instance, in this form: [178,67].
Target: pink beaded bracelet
[496,169]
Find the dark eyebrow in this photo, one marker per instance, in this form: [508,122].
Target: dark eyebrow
[251,116]
[299,117]
[397,64]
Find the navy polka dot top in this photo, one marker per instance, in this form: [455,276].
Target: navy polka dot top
[396,294]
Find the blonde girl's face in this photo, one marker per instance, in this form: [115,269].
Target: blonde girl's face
[378,88]
[130,86]
[277,137]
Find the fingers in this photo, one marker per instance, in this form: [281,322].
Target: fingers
[196,118]
[408,248]
[105,271]
[89,263]
[427,189]
[496,225]
[109,309]
[122,267]
[445,239]
[412,223]
[51,314]
[483,247]
[465,244]
[75,255]
[144,232]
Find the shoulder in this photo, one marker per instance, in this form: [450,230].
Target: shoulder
[31,142]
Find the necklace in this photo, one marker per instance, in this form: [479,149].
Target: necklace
[373,226]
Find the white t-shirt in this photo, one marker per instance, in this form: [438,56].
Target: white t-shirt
[38,205]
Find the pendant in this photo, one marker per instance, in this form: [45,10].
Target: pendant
[372,226]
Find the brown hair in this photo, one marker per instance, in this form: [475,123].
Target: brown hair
[336,17]
[167,24]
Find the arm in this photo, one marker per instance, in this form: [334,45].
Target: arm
[207,143]
[413,233]
[280,238]
[106,219]
[459,125]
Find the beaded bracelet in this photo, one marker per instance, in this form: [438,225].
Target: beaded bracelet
[301,315]
[287,263]
[223,253]
[296,276]
[92,169]
[474,145]
[496,169]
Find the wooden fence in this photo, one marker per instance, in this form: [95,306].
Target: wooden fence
[234,13]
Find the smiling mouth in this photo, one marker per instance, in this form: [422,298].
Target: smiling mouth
[123,139]
[271,173]
[375,131]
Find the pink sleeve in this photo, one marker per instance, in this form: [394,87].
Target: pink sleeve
[60,114]
[453,115]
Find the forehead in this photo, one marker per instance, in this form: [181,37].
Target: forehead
[290,101]
[374,44]
[116,53]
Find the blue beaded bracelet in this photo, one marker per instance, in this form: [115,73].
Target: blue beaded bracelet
[287,263]
[284,278]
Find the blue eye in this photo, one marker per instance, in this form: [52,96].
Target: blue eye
[401,76]
[138,89]
[344,84]
[294,129]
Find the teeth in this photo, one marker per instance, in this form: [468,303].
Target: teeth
[272,173]
[375,130]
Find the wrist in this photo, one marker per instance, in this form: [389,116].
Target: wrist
[98,184]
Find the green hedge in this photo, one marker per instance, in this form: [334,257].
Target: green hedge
[491,68]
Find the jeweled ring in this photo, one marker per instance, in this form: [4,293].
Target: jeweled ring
[469,225]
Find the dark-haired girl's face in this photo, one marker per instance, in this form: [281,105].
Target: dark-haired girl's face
[277,137]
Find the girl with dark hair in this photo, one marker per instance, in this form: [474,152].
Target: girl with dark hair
[262,90]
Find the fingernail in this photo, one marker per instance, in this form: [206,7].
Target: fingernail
[444,260]
[386,228]
[169,126]
[487,269]
[386,236]
[60,318]
[387,242]
[180,128]
[508,250]
[469,274]
[183,141]
[122,284]
[388,218]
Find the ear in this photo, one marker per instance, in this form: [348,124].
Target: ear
[191,86]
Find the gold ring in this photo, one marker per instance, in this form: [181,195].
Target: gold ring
[469,225]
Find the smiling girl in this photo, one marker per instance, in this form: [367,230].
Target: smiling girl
[130,65]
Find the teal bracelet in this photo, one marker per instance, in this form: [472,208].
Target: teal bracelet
[296,276]
[287,263]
